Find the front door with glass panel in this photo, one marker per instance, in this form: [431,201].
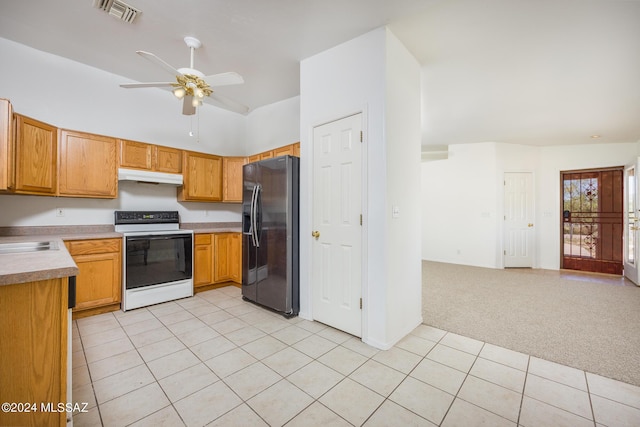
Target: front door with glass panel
[592,217]
[631,222]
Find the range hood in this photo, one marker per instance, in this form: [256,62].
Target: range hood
[149,177]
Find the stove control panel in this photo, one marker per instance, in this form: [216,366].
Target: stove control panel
[147,217]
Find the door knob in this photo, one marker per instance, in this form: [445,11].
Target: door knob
[530,225]
[316,234]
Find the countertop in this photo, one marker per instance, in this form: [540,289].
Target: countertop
[25,267]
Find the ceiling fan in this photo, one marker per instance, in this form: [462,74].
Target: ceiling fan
[191,85]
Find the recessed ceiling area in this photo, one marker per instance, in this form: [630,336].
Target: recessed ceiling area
[536,72]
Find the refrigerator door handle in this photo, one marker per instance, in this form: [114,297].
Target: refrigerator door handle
[258,217]
[252,229]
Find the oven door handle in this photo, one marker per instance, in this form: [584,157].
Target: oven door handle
[173,236]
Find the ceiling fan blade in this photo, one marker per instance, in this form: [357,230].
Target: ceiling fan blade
[150,84]
[156,60]
[224,79]
[187,106]
[229,104]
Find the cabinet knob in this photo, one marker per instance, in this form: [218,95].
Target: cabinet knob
[316,234]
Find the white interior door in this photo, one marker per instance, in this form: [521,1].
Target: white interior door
[337,208]
[518,219]
[631,221]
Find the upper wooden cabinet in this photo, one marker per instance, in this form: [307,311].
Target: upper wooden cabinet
[232,181]
[291,150]
[88,165]
[6,135]
[202,177]
[166,159]
[139,155]
[283,151]
[36,152]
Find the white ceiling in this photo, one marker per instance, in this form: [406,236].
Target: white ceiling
[539,72]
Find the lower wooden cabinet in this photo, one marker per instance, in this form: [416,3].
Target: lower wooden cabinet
[202,260]
[33,351]
[217,258]
[99,283]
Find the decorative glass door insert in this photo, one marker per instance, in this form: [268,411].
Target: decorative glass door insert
[593,220]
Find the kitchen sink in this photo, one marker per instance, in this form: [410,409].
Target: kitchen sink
[18,247]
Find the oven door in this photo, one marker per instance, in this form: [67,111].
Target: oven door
[154,259]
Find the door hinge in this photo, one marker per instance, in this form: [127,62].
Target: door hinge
[505,252]
[360,303]
[361,137]
[360,219]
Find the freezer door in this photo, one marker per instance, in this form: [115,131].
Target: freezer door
[249,254]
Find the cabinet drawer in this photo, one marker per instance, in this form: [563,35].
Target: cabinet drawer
[97,246]
[202,239]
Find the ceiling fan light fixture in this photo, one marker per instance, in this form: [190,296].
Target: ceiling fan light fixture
[179,92]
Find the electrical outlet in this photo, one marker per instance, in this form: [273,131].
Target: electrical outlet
[59,212]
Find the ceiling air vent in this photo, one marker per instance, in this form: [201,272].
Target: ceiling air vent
[118,9]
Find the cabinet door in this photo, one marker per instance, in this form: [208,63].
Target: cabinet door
[235,257]
[296,149]
[202,260]
[254,158]
[202,178]
[88,165]
[221,259]
[36,153]
[167,159]
[98,282]
[6,133]
[232,185]
[283,151]
[33,349]
[136,155]
[266,155]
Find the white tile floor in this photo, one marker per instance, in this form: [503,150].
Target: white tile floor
[216,360]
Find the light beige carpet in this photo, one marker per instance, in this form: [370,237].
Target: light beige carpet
[585,321]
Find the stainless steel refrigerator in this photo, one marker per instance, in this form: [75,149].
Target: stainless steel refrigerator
[270,244]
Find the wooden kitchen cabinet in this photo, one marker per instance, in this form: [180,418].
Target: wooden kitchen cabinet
[283,151]
[167,159]
[202,174]
[232,180]
[33,350]
[254,158]
[228,257]
[6,139]
[149,157]
[235,258]
[202,260]
[35,166]
[221,248]
[217,259]
[88,165]
[296,149]
[99,282]
[266,155]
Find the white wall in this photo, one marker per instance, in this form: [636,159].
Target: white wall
[348,79]
[273,125]
[71,95]
[462,197]
[402,149]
